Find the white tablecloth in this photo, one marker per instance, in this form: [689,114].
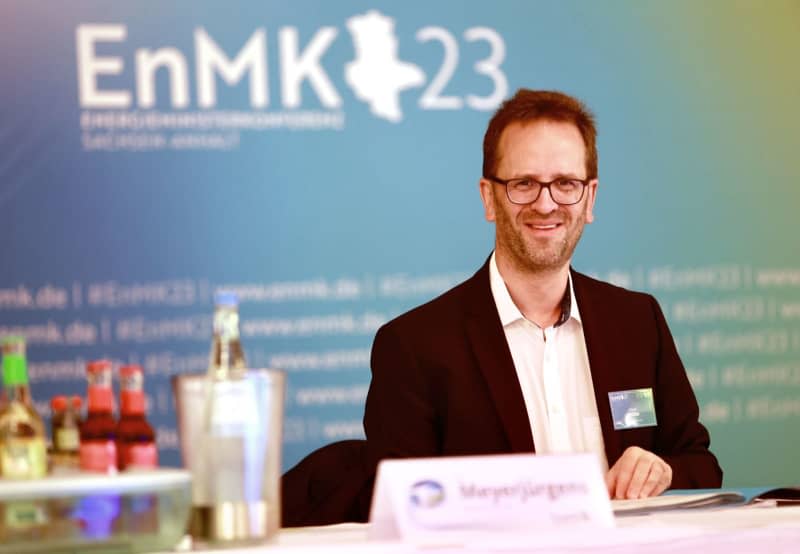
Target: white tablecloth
[745,529]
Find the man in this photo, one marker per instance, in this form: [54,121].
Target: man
[529,355]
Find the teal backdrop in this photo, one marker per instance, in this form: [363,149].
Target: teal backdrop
[322,159]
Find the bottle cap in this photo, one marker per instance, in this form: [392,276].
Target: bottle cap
[14,365]
[226,298]
[58,403]
[97,366]
[77,402]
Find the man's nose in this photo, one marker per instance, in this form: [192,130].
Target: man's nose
[544,203]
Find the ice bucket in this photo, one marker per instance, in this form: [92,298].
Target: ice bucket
[230,437]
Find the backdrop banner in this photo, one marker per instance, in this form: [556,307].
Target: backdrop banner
[322,160]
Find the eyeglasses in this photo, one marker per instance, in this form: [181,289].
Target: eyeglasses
[526,190]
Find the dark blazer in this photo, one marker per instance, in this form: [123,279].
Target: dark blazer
[444,383]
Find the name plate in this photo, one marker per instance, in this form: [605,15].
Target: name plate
[436,500]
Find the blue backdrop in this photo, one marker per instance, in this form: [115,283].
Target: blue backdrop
[322,159]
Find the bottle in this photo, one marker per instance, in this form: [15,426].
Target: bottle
[23,453]
[136,449]
[219,465]
[136,441]
[66,435]
[98,449]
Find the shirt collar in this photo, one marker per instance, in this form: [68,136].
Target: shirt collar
[509,312]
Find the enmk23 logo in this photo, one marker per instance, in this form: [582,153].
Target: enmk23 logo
[376,75]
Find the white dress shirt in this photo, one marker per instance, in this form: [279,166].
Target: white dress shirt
[553,371]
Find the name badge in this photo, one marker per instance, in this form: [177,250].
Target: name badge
[631,409]
[457,500]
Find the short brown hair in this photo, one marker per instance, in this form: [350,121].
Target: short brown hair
[536,105]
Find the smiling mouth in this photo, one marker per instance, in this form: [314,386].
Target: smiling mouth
[543,226]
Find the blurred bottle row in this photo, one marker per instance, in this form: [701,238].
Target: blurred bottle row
[96,442]
[224,417]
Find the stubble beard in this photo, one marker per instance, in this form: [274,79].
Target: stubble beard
[537,256]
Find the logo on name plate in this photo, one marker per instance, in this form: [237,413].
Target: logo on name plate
[426,494]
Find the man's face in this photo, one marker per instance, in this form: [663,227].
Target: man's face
[542,235]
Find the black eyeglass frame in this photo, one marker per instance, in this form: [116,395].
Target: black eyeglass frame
[542,186]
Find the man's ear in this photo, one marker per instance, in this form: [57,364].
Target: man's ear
[591,193]
[486,188]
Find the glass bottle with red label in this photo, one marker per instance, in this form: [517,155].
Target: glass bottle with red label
[98,449]
[136,440]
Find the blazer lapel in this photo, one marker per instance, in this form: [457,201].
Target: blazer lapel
[595,327]
[494,359]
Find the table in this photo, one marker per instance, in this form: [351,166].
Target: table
[733,530]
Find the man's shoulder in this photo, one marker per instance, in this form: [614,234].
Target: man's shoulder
[604,287]
[441,311]
[595,291]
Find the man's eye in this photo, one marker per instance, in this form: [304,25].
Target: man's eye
[522,184]
[566,185]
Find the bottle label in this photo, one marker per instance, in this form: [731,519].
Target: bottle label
[23,458]
[139,455]
[100,456]
[24,515]
[67,439]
